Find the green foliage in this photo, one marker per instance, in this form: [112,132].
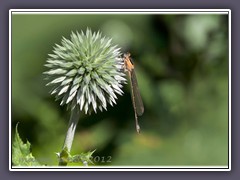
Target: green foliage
[63,157]
[83,158]
[21,153]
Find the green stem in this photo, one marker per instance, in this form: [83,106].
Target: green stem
[64,154]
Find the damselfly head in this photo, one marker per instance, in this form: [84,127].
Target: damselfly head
[126,55]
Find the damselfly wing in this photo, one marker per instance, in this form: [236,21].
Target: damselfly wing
[136,97]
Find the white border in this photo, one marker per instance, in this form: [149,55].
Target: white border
[123,168]
[120,11]
[229,90]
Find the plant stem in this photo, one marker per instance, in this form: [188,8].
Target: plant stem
[64,155]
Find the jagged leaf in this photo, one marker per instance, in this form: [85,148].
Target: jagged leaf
[84,158]
[21,153]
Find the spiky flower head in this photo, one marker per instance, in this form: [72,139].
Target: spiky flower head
[86,71]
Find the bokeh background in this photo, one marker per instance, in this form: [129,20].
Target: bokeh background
[182,69]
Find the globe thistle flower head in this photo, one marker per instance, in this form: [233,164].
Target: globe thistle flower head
[86,72]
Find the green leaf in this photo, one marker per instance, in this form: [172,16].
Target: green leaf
[21,154]
[84,158]
[64,156]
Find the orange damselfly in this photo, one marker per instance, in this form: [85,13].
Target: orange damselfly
[136,97]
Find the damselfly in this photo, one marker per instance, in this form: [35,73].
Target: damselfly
[136,97]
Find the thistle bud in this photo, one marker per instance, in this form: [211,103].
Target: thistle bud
[86,72]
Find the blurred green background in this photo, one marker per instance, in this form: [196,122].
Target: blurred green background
[182,69]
